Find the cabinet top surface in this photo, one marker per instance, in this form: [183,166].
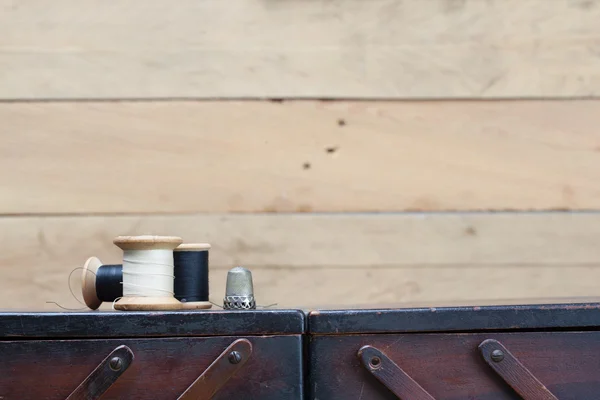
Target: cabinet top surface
[530,314]
[511,315]
[106,324]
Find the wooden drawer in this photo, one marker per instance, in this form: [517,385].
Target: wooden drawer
[166,360]
[438,351]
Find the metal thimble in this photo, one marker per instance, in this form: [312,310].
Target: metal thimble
[239,292]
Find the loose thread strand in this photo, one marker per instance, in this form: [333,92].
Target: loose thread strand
[215,304]
[114,301]
[72,293]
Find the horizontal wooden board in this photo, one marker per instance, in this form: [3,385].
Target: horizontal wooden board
[291,49]
[302,288]
[310,260]
[309,240]
[299,156]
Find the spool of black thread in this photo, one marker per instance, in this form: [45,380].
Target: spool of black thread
[191,284]
[109,282]
[100,282]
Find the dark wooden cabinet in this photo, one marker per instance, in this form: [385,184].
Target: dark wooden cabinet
[483,352]
[46,356]
[437,353]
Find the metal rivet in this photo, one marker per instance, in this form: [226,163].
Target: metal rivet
[235,357]
[497,355]
[115,363]
[375,362]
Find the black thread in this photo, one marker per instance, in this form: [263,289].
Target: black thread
[109,286]
[191,275]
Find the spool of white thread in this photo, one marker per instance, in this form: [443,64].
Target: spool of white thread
[148,273]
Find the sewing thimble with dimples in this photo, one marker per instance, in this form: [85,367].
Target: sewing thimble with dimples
[239,291]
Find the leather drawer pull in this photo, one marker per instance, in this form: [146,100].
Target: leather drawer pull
[219,372]
[391,375]
[105,374]
[513,372]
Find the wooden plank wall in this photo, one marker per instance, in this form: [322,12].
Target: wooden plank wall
[347,151]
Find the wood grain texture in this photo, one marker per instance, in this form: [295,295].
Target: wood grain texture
[513,372]
[162,369]
[178,157]
[309,240]
[344,287]
[449,366]
[103,376]
[391,375]
[316,260]
[577,313]
[320,48]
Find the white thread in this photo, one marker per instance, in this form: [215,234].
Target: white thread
[148,273]
[114,301]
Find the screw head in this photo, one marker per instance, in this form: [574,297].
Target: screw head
[115,363]
[497,355]
[235,357]
[375,362]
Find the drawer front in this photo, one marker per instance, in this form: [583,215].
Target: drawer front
[162,368]
[451,367]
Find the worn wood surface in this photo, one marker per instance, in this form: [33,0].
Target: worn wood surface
[93,324]
[177,157]
[104,375]
[92,164]
[450,367]
[321,48]
[370,284]
[161,369]
[316,260]
[219,372]
[315,240]
[513,372]
[391,375]
[548,314]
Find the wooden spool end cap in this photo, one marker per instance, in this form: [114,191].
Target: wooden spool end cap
[147,242]
[88,283]
[196,305]
[193,247]
[148,304]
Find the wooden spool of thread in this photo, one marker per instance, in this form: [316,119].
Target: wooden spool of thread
[101,283]
[191,275]
[148,273]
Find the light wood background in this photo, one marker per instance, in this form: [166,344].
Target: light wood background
[348,151]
